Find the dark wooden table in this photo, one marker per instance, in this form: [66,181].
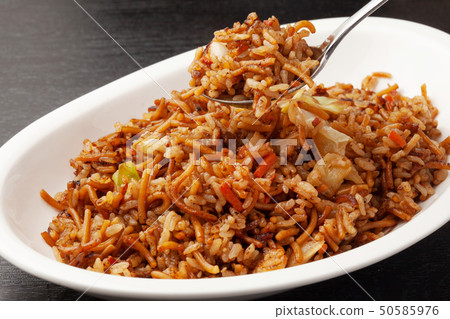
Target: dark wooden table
[51,53]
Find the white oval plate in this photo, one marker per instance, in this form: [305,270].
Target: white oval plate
[38,157]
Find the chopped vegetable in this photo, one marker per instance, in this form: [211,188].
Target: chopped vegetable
[331,171]
[262,169]
[308,103]
[284,107]
[389,102]
[329,140]
[127,170]
[354,176]
[325,103]
[151,144]
[310,248]
[217,49]
[299,93]
[309,118]
[111,260]
[273,259]
[397,138]
[296,115]
[231,197]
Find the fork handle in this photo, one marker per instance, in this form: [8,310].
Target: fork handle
[330,44]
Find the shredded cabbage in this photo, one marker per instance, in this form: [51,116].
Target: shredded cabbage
[127,169]
[329,173]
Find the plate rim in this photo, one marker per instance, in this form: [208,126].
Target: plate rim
[206,288]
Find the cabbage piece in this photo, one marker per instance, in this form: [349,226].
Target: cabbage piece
[325,103]
[329,140]
[354,176]
[309,118]
[299,93]
[285,105]
[329,173]
[297,115]
[310,248]
[152,144]
[218,49]
[127,169]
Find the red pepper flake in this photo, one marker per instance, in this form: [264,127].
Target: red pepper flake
[316,122]
[111,260]
[206,61]
[268,162]
[346,198]
[397,138]
[268,22]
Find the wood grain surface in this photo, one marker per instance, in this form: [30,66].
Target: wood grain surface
[52,53]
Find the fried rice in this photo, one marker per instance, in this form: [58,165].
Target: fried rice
[256,60]
[197,189]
